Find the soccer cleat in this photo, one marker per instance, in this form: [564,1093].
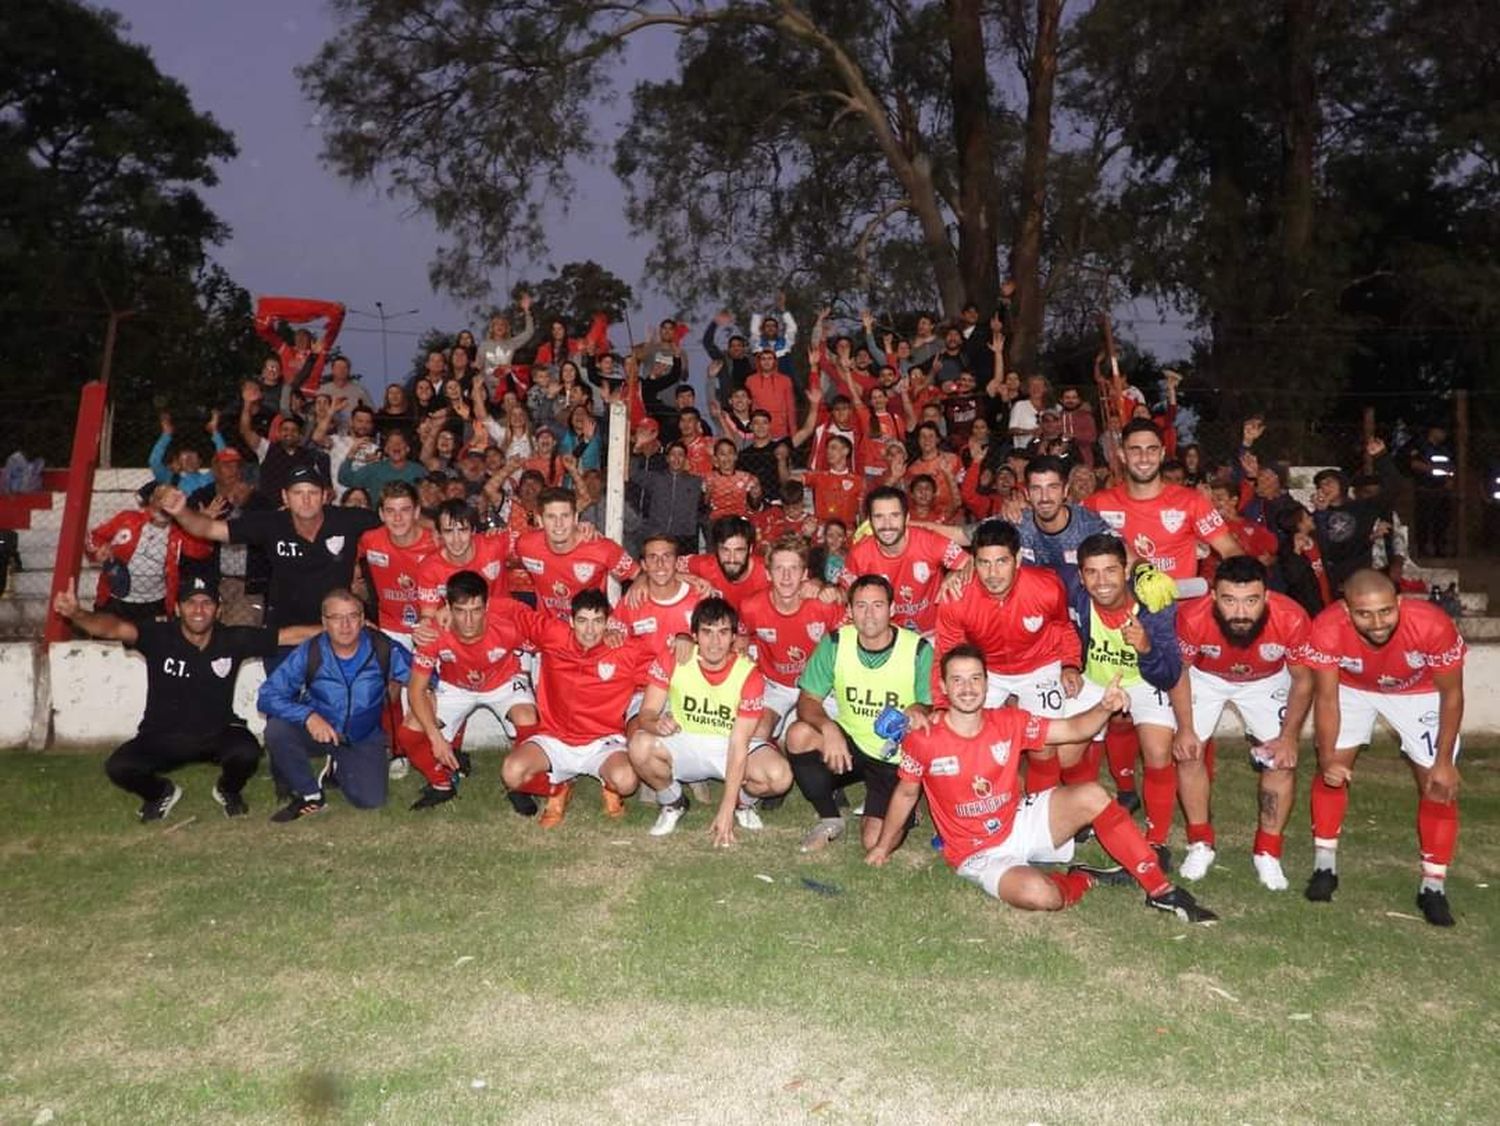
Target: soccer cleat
[822,834]
[746,817]
[398,769]
[328,777]
[614,804]
[1199,859]
[298,808]
[465,763]
[1104,875]
[557,806]
[524,804]
[433,797]
[157,810]
[1129,800]
[1434,907]
[1163,858]
[1268,871]
[1084,835]
[1177,901]
[666,820]
[1321,885]
[233,804]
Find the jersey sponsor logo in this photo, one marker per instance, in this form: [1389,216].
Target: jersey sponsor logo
[475,677]
[1034,729]
[286,549]
[766,634]
[1239,670]
[1032,622]
[1352,664]
[981,786]
[815,631]
[1428,719]
[992,825]
[1172,519]
[535,566]
[378,558]
[1000,751]
[406,582]
[1071,556]
[1210,650]
[222,666]
[583,572]
[1027,555]
[945,767]
[1270,651]
[447,655]
[606,670]
[796,654]
[1144,546]
[644,626]
[1114,518]
[334,544]
[409,615]
[1414,659]
[921,571]
[495,655]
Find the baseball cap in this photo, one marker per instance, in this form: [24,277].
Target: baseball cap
[198,585]
[228,453]
[306,475]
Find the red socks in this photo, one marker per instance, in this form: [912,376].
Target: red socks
[1267,844]
[1072,885]
[1328,805]
[1042,773]
[418,750]
[1160,796]
[1085,769]
[1200,834]
[1437,832]
[1121,746]
[1119,837]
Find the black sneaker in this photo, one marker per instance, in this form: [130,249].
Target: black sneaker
[299,808]
[1321,885]
[524,804]
[283,792]
[1434,907]
[1104,875]
[1178,902]
[233,804]
[157,810]
[465,763]
[328,777]
[1163,858]
[1128,800]
[432,796]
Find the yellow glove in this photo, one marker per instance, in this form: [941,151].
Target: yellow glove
[861,532]
[1153,589]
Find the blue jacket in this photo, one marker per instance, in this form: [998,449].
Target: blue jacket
[188,482]
[352,706]
[1162,664]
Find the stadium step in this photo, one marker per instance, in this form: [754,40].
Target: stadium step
[1479,629]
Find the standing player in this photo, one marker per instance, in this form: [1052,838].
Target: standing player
[913,559]
[1243,645]
[666,607]
[473,663]
[968,760]
[461,547]
[1373,653]
[865,667]
[392,555]
[734,570]
[1051,529]
[562,561]
[716,700]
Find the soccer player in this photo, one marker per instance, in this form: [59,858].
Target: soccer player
[734,570]
[866,667]
[913,559]
[784,624]
[716,699]
[665,608]
[583,687]
[461,547]
[1122,637]
[562,561]
[1051,529]
[392,555]
[968,757]
[1243,645]
[1374,653]
[473,663]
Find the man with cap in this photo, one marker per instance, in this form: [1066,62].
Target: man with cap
[190,672]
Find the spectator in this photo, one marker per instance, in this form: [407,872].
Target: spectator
[290,452]
[1434,470]
[772,392]
[497,355]
[1346,526]
[240,573]
[1078,423]
[395,466]
[671,500]
[141,552]
[179,463]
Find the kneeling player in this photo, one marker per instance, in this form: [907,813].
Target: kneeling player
[715,699]
[1374,653]
[968,760]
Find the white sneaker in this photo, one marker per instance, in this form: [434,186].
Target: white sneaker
[1268,869]
[1199,859]
[746,817]
[398,769]
[666,820]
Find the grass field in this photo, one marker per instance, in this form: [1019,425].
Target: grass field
[464,966]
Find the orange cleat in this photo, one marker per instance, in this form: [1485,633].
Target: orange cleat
[614,804]
[557,806]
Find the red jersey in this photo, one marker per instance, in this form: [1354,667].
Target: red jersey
[836,496]
[395,575]
[491,550]
[729,493]
[1019,633]
[973,785]
[558,577]
[1281,642]
[772,522]
[481,665]
[915,574]
[736,593]
[752,692]
[1254,539]
[658,620]
[1164,530]
[1426,641]
[581,695]
[700,455]
[784,642]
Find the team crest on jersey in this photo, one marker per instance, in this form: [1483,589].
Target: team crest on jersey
[334,544]
[495,655]
[1032,623]
[222,666]
[606,670]
[1210,650]
[1270,651]
[1114,519]
[491,570]
[583,572]
[981,786]
[1144,545]
[846,485]
[1000,751]
[122,536]
[815,632]
[945,767]
[1172,519]
[920,571]
[1414,659]
[378,558]
[766,634]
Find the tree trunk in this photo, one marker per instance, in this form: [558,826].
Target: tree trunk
[1299,141]
[978,189]
[1026,249]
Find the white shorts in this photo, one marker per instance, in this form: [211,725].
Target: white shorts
[455,705]
[701,758]
[782,699]
[1148,706]
[1261,703]
[568,761]
[1030,842]
[633,708]
[402,639]
[1039,691]
[1413,717]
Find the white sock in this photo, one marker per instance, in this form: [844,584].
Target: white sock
[747,799]
[671,794]
[1434,878]
[1326,855]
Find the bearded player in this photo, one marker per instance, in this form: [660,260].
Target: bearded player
[1243,645]
[967,758]
[1374,653]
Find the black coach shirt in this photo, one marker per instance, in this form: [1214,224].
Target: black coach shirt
[190,691]
[303,571]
